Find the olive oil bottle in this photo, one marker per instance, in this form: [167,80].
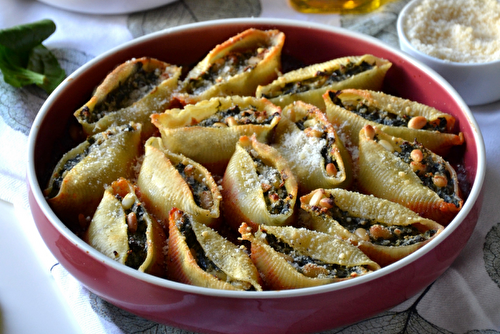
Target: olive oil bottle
[336,6]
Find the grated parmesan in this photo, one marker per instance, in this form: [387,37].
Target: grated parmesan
[465,31]
[301,150]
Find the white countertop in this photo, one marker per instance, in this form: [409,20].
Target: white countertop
[30,301]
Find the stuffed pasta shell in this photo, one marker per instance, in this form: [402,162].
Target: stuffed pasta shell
[235,67]
[290,258]
[408,173]
[198,255]
[208,131]
[310,145]
[167,180]
[258,187]
[123,230]
[79,178]
[309,83]
[353,108]
[132,92]
[383,230]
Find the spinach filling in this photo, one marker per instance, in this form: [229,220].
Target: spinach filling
[300,261]
[431,168]
[186,229]
[137,241]
[390,236]
[223,68]
[384,117]
[131,90]
[322,79]
[273,186]
[201,193]
[326,153]
[241,116]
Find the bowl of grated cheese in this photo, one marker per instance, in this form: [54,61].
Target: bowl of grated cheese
[458,41]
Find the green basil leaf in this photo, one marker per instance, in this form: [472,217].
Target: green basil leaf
[42,61]
[16,75]
[25,61]
[23,38]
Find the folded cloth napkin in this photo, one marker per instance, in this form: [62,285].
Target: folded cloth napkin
[471,286]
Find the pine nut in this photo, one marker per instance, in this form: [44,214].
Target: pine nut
[219,125]
[132,222]
[385,144]
[310,123]
[416,155]
[316,197]
[440,180]
[206,199]
[379,231]
[417,122]
[189,170]
[231,121]
[362,234]
[417,166]
[331,170]
[128,201]
[369,131]
[326,202]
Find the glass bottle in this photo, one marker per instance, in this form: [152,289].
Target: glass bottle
[336,6]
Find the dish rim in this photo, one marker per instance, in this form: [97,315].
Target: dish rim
[37,193]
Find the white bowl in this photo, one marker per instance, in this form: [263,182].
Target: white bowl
[106,7]
[477,83]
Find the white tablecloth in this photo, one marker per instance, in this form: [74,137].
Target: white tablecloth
[466,298]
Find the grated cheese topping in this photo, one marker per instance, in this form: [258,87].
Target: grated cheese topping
[302,150]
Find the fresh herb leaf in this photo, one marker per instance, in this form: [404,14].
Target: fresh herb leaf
[43,61]
[25,61]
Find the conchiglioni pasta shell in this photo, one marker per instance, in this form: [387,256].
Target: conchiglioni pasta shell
[83,185]
[156,100]
[211,146]
[162,187]
[229,257]
[369,79]
[182,265]
[246,80]
[368,207]
[385,175]
[279,274]
[108,231]
[242,191]
[438,142]
[304,152]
